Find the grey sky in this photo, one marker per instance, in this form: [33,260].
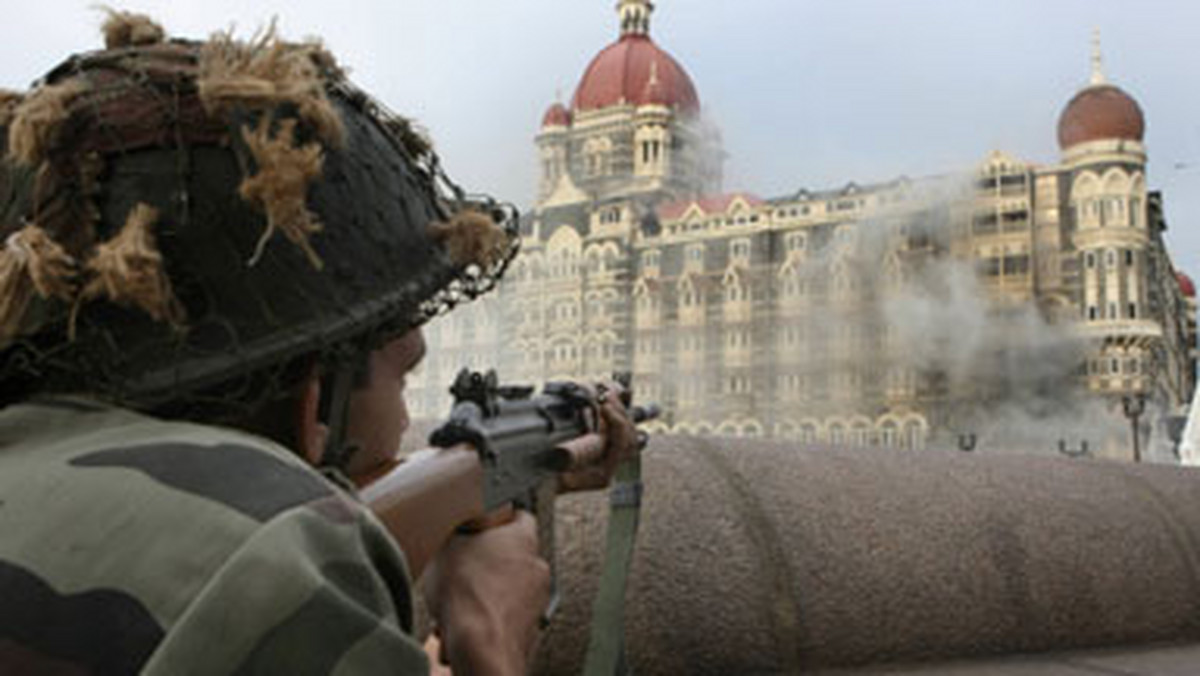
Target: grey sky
[811,94]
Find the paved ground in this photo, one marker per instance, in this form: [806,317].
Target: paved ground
[1145,661]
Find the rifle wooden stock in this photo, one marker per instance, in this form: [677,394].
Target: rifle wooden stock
[424,499]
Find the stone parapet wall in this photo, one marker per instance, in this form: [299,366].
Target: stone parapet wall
[760,557]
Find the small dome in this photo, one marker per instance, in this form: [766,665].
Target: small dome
[1186,285]
[557,115]
[623,72]
[1100,112]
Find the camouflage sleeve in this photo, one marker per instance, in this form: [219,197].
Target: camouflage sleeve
[319,589]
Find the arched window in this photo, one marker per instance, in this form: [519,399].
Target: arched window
[888,434]
[808,433]
[795,242]
[1084,200]
[861,434]
[914,436]
[837,434]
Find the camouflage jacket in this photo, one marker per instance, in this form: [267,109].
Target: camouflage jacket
[129,544]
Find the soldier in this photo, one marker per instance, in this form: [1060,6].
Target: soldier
[215,261]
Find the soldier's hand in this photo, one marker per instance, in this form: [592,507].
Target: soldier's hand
[487,592]
[620,441]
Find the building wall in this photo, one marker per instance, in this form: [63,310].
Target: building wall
[781,317]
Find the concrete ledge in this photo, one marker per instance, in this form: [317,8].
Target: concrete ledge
[761,557]
[1147,661]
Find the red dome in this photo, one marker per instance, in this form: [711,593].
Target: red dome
[1100,112]
[656,94]
[557,115]
[621,74]
[1186,285]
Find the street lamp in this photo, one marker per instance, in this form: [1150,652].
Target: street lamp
[1135,406]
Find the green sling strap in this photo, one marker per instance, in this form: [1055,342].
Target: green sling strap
[606,647]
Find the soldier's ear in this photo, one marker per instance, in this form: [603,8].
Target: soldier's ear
[311,433]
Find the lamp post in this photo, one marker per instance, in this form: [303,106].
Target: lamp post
[1134,406]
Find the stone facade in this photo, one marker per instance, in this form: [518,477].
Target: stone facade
[838,315]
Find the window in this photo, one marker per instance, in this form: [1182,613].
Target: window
[737,340]
[612,215]
[1112,311]
[1015,220]
[1111,259]
[795,241]
[985,224]
[651,259]
[1129,257]
[740,250]
[912,436]
[1133,310]
[1092,312]
[808,433]
[1091,259]
[861,435]
[1115,207]
[737,385]
[837,434]
[1016,265]
[595,153]
[695,253]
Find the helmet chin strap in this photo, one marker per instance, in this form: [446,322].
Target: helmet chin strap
[336,388]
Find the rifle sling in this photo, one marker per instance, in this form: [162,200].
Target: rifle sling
[606,646]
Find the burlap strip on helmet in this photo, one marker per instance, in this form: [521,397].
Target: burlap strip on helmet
[265,73]
[31,262]
[280,185]
[37,119]
[127,29]
[9,100]
[128,270]
[472,238]
[261,75]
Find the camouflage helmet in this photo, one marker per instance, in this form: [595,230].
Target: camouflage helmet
[182,221]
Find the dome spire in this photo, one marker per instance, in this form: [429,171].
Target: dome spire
[1097,60]
[635,16]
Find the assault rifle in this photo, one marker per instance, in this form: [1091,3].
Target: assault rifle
[503,447]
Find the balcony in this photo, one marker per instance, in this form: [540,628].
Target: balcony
[1121,328]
